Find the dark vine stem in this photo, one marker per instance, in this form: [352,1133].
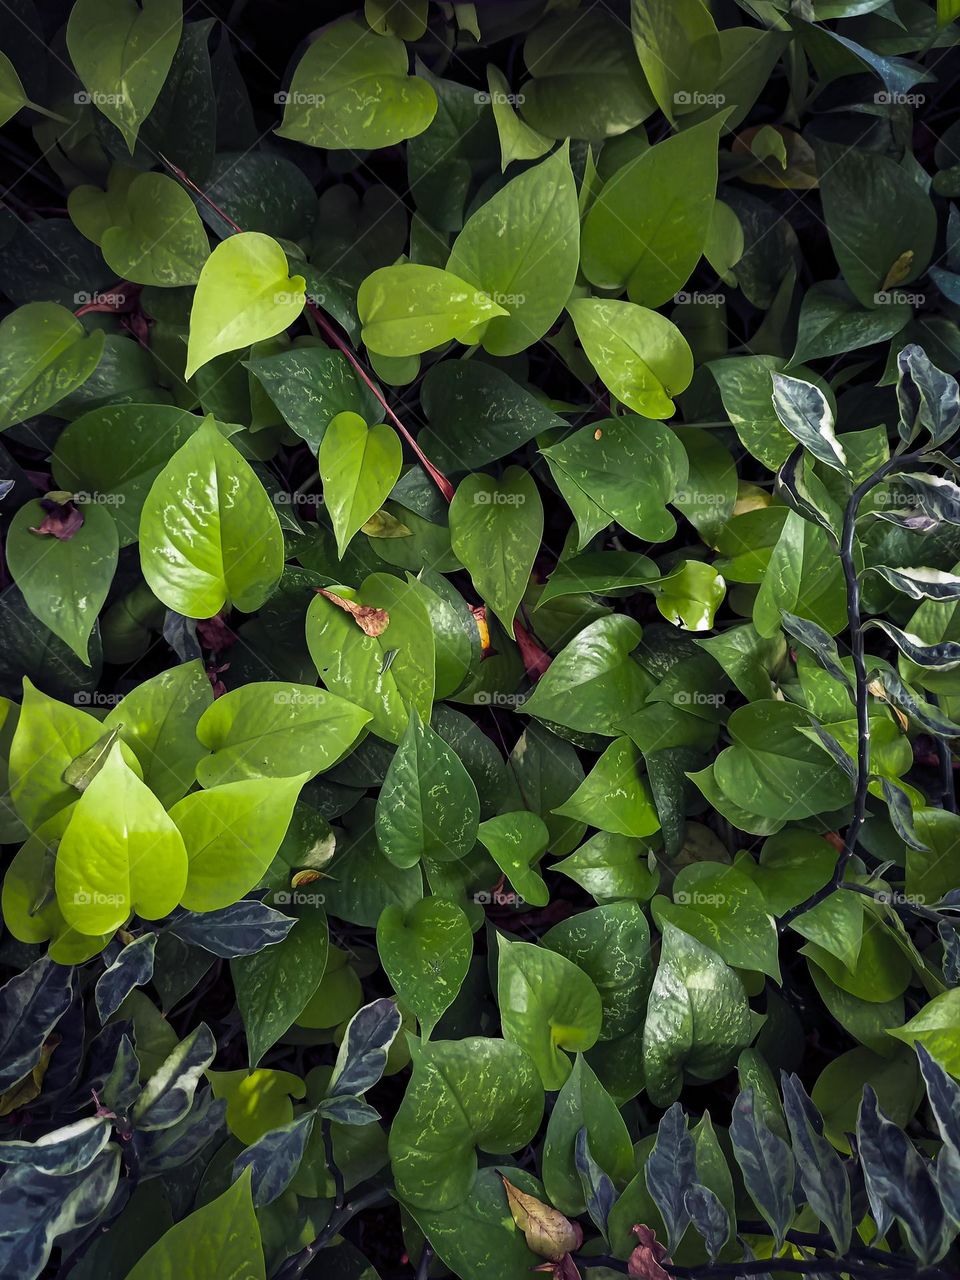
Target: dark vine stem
[296,1265]
[861,692]
[340,1193]
[946,770]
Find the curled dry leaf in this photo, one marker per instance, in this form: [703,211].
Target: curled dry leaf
[644,1262]
[372,622]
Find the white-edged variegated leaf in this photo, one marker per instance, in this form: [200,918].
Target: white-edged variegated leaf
[921,583]
[805,412]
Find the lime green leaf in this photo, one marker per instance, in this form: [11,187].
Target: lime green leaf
[690,596]
[406,309]
[64,580]
[518,141]
[122,52]
[231,834]
[389,674]
[45,353]
[679,49]
[464,1094]
[352,90]
[650,223]
[159,238]
[639,354]
[158,721]
[547,1004]
[244,295]
[611,867]
[271,729]
[613,796]
[495,531]
[223,544]
[49,736]
[428,805]
[12,94]
[522,247]
[359,465]
[937,1028]
[225,1229]
[426,952]
[120,853]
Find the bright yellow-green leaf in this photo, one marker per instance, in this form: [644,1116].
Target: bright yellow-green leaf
[244,295]
[359,465]
[408,308]
[352,89]
[120,853]
[45,353]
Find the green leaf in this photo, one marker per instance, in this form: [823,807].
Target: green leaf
[231,834]
[12,95]
[390,674]
[406,309]
[720,907]
[611,867]
[476,1092]
[611,944]
[274,985]
[516,842]
[641,357]
[426,953]
[518,141]
[804,577]
[224,545]
[613,796]
[159,238]
[774,770]
[113,454]
[621,469]
[937,1028]
[359,465]
[690,596]
[226,1229]
[839,1089]
[746,388]
[120,853]
[158,722]
[351,90]
[593,684]
[64,580]
[244,295]
[122,53]
[679,50]
[833,322]
[698,1018]
[878,217]
[547,1004]
[495,531]
[531,269]
[650,223]
[583,1103]
[428,805]
[271,729]
[45,353]
[478,1237]
[586,82]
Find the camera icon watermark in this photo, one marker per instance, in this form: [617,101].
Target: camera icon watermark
[498,499]
[697,698]
[498,898]
[494,698]
[86,98]
[683,299]
[297,898]
[698,899]
[295,98]
[694,98]
[94,698]
[888,98]
[498,98]
[898,298]
[83,898]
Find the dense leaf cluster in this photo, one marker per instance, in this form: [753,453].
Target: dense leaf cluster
[479,639]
